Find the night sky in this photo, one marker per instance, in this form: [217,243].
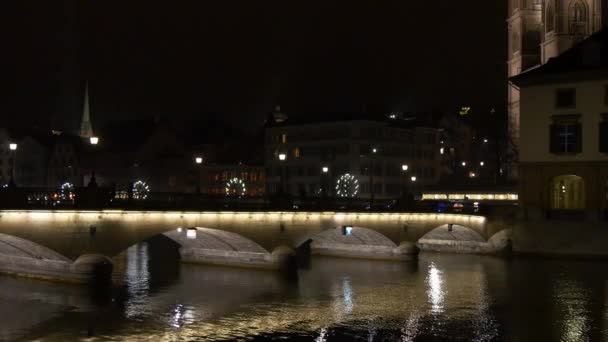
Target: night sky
[237,59]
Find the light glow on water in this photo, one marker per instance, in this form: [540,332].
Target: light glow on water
[435,289]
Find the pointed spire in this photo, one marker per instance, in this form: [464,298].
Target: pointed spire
[86,129]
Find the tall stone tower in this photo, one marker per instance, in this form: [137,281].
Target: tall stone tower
[542,29]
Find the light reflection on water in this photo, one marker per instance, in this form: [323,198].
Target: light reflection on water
[469,298]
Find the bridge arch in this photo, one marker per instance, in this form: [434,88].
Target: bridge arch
[214,246]
[454,232]
[358,242]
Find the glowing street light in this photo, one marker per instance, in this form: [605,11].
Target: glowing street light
[94,140]
[405,167]
[485,140]
[464,163]
[198,160]
[374,150]
[282,156]
[414,178]
[481,163]
[12,146]
[325,169]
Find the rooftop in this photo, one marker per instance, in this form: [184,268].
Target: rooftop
[585,61]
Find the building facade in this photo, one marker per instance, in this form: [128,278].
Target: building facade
[343,156]
[564,128]
[539,30]
[231,180]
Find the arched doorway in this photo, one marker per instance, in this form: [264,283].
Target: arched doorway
[567,192]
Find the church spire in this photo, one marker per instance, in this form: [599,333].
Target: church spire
[86,129]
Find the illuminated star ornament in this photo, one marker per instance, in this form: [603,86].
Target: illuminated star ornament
[140,190]
[347,185]
[236,187]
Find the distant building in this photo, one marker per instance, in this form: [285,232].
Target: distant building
[564,132]
[350,156]
[231,180]
[540,30]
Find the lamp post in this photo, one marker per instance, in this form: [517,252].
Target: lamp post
[371,178]
[13,150]
[198,161]
[404,169]
[414,179]
[93,141]
[324,185]
[282,158]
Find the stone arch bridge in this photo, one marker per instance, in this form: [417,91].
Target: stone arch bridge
[70,244]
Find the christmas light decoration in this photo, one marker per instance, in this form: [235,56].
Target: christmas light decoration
[66,191]
[236,187]
[347,185]
[140,190]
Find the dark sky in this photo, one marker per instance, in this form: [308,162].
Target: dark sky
[238,59]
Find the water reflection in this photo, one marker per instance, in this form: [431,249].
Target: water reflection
[441,297]
[434,282]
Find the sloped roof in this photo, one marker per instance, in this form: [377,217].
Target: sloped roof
[587,60]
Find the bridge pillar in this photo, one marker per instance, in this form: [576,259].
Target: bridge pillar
[94,268]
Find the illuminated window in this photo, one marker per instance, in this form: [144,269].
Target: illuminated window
[284,138]
[296,153]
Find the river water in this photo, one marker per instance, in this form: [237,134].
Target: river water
[437,298]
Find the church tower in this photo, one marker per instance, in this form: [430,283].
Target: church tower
[86,128]
[542,29]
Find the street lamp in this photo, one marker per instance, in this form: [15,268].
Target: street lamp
[481,163]
[413,179]
[282,158]
[324,182]
[94,140]
[464,163]
[13,148]
[371,178]
[404,168]
[198,160]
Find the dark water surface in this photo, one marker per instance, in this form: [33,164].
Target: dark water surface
[439,297]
